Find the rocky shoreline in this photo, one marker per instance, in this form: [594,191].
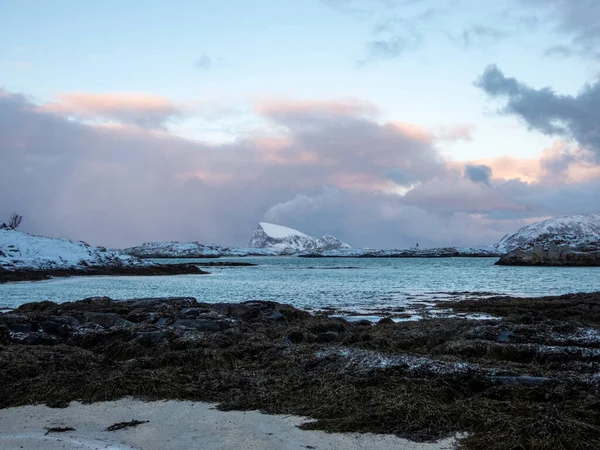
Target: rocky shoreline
[141,270]
[528,379]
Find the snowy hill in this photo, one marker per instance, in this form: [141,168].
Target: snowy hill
[289,241]
[22,251]
[174,249]
[440,252]
[573,230]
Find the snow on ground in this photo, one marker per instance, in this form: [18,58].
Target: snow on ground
[175,249]
[20,251]
[574,229]
[278,231]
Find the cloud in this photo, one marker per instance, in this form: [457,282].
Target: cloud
[460,132]
[479,173]
[559,51]
[325,166]
[477,35]
[204,62]
[346,107]
[143,110]
[576,117]
[575,19]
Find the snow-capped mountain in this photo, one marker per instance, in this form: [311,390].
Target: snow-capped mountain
[289,241]
[174,249]
[22,251]
[572,230]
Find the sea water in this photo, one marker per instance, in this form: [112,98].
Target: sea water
[314,283]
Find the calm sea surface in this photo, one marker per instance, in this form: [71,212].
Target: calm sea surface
[321,282]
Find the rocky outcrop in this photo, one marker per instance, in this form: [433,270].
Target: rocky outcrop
[572,230]
[551,250]
[146,270]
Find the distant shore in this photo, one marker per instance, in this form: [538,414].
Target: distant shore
[153,270]
[500,380]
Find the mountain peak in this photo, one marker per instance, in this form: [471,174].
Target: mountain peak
[289,240]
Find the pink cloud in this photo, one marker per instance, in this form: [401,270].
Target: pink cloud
[455,133]
[346,107]
[149,111]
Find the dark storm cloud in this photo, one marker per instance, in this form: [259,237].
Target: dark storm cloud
[479,173]
[544,110]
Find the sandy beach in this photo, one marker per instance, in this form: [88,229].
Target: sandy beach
[177,425]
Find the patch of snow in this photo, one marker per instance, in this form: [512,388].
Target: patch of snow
[574,230]
[278,231]
[290,241]
[22,251]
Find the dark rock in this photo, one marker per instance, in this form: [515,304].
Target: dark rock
[238,310]
[190,312]
[296,337]
[518,379]
[329,336]
[210,326]
[550,250]
[35,338]
[163,321]
[504,336]
[276,315]
[106,320]
[22,328]
[386,321]
[337,326]
[364,323]
[56,327]
[150,338]
[180,302]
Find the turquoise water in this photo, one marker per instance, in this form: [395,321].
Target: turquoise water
[321,282]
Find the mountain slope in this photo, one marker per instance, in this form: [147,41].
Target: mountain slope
[22,251]
[573,230]
[562,241]
[174,249]
[288,240]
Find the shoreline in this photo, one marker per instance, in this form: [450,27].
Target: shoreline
[423,380]
[174,425]
[8,276]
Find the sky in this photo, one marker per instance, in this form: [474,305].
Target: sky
[382,122]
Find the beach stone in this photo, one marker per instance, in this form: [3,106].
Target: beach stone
[21,328]
[35,338]
[385,321]
[237,310]
[56,328]
[152,337]
[198,325]
[106,320]
[190,312]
